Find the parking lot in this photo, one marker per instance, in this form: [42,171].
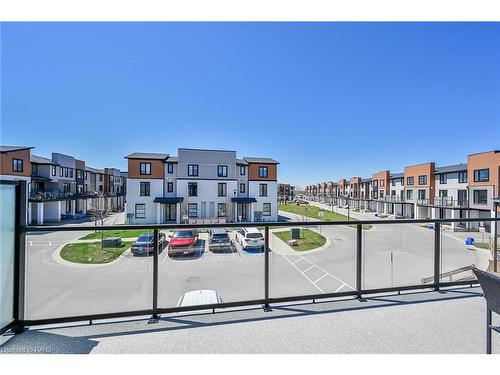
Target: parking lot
[394,255]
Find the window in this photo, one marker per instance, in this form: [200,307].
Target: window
[242,170]
[263,190]
[100,188]
[422,180]
[462,177]
[221,210]
[222,171]
[242,188]
[421,194]
[192,169]
[17,165]
[409,194]
[443,178]
[480,196]
[263,172]
[34,168]
[170,168]
[481,175]
[140,211]
[409,180]
[193,189]
[381,183]
[66,188]
[193,210]
[170,187]
[145,189]
[86,175]
[66,172]
[145,168]
[266,209]
[54,170]
[221,189]
[381,194]
[71,172]
[61,172]
[100,177]
[79,174]
[443,193]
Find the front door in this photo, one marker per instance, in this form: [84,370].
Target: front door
[170,212]
[242,212]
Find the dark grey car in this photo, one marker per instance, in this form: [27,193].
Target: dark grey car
[219,240]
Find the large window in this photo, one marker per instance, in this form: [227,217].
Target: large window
[222,189]
[480,196]
[145,169]
[263,190]
[192,169]
[221,210]
[462,177]
[263,172]
[242,188]
[140,211]
[17,165]
[443,178]
[481,175]
[193,210]
[409,194]
[170,187]
[422,180]
[242,170]
[34,168]
[145,189]
[266,209]
[192,189]
[421,194]
[410,180]
[170,168]
[222,171]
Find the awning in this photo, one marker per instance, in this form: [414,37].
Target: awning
[243,200]
[168,199]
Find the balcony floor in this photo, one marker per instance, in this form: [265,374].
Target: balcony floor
[452,321]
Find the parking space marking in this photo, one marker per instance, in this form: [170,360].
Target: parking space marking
[325,273]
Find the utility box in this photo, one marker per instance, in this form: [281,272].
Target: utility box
[295,233]
[112,242]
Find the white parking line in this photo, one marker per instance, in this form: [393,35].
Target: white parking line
[325,273]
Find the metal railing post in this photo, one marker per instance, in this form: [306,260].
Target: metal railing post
[266,269]
[19,257]
[437,254]
[359,255]
[495,239]
[155,316]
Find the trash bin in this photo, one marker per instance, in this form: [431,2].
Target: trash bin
[295,233]
[431,226]
[469,241]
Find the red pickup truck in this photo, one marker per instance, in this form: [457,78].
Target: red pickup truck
[183,242]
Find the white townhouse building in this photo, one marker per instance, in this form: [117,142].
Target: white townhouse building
[200,186]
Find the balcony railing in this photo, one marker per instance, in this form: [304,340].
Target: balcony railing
[56,194]
[443,202]
[158,285]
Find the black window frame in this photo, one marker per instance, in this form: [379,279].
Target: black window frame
[222,171]
[264,211]
[410,180]
[262,192]
[462,177]
[242,185]
[219,205]
[422,180]
[53,170]
[261,169]
[34,168]
[61,172]
[419,194]
[195,191]
[193,170]
[70,172]
[222,193]
[17,165]
[242,170]
[170,187]
[170,168]
[190,205]
[143,214]
[143,168]
[443,178]
[409,194]
[477,175]
[66,172]
[145,189]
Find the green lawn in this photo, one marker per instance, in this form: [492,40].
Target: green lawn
[91,253]
[116,233]
[313,212]
[309,239]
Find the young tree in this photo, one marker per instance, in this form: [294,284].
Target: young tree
[100,211]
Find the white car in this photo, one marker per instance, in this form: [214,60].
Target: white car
[199,297]
[250,238]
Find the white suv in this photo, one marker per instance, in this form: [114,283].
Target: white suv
[250,238]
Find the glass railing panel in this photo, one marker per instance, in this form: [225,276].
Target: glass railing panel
[397,255]
[87,272]
[307,260]
[211,266]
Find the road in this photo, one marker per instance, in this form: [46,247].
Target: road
[56,289]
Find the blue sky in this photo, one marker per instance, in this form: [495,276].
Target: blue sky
[327,100]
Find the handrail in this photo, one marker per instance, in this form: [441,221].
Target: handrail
[426,280]
[68,228]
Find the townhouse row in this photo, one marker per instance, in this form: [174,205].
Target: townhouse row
[62,187]
[200,186]
[423,191]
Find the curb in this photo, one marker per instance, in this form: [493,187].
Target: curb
[56,257]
